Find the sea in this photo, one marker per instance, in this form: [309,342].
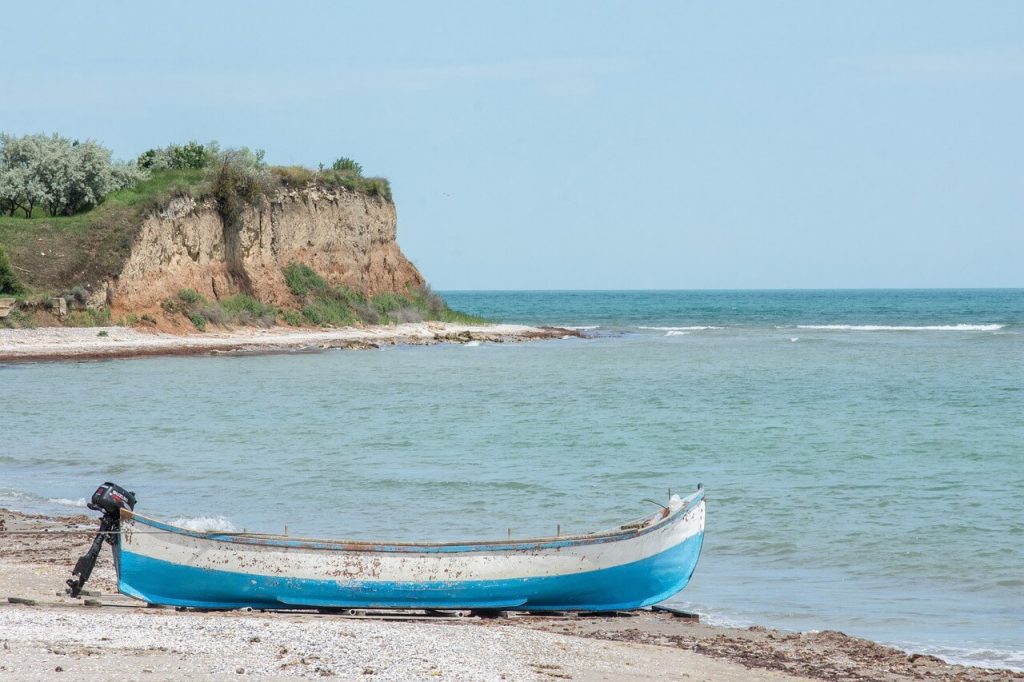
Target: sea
[862,451]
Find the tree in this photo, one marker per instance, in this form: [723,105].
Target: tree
[64,176]
[20,187]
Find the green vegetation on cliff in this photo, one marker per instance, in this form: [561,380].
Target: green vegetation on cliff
[52,254]
[69,216]
[78,230]
[320,304]
[8,280]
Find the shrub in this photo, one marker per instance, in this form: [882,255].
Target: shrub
[190,155]
[349,295]
[327,310]
[342,305]
[244,309]
[212,313]
[191,297]
[77,295]
[18,318]
[301,279]
[239,309]
[8,281]
[293,318]
[346,164]
[90,317]
[356,183]
[406,314]
[388,302]
[175,156]
[379,187]
[366,312]
[239,179]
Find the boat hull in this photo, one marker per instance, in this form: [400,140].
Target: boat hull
[162,564]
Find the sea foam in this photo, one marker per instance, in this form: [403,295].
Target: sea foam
[65,502]
[900,328]
[204,524]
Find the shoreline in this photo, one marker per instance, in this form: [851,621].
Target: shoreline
[97,343]
[58,633]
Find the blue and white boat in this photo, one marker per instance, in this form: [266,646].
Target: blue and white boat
[634,565]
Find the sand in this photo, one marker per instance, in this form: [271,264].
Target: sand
[114,637]
[69,343]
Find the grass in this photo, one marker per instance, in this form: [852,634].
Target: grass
[350,179]
[18,319]
[246,310]
[53,253]
[90,317]
[240,309]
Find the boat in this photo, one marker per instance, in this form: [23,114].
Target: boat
[637,564]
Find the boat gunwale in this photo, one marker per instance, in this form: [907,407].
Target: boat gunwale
[623,532]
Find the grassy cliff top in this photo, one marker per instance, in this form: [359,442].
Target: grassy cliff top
[50,254]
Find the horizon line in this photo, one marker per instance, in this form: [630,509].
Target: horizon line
[766,289]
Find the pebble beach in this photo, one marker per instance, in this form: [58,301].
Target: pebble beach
[45,634]
[70,343]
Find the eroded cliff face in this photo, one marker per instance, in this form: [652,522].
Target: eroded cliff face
[347,237]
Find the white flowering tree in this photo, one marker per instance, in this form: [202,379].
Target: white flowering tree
[62,175]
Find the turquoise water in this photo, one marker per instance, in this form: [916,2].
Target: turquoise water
[863,451]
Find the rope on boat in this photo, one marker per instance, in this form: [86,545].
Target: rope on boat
[83,532]
[57,532]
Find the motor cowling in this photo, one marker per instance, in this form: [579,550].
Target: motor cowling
[111,498]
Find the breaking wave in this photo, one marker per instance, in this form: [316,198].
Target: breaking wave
[204,524]
[81,502]
[985,657]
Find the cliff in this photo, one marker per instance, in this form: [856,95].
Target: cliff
[348,237]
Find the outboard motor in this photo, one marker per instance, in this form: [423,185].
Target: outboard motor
[110,499]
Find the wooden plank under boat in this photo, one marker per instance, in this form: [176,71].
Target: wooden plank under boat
[631,566]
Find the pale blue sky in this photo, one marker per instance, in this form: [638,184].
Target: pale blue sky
[588,144]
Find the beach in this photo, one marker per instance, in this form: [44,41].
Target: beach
[82,343]
[104,633]
[701,319]
[835,443]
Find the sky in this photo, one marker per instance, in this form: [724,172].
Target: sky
[587,145]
